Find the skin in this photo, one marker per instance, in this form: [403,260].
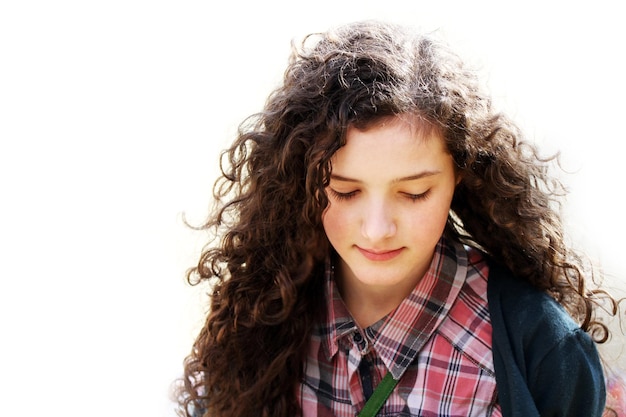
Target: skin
[390,194]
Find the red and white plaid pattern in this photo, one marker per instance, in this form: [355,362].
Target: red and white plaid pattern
[437,342]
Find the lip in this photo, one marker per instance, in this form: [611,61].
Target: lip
[379,255]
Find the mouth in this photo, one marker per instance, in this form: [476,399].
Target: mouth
[379,255]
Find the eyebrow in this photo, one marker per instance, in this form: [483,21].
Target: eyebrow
[413,177]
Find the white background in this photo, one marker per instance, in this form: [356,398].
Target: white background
[111,117]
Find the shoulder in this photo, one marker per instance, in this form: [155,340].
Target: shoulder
[542,358]
[521,305]
[514,302]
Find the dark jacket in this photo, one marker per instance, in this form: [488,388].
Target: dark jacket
[545,364]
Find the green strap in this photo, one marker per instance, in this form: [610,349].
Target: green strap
[379,396]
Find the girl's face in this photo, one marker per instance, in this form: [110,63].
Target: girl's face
[389,195]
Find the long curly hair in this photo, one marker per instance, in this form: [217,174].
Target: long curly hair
[266,261]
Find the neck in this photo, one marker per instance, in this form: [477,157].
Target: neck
[367,309]
[369,303]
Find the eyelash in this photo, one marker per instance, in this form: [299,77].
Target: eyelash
[343,196]
[418,197]
[346,196]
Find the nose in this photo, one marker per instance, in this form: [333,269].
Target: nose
[378,222]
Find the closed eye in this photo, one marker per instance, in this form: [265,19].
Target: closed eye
[417,197]
[343,196]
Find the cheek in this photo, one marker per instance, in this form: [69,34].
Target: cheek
[335,222]
[440,212]
[430,220]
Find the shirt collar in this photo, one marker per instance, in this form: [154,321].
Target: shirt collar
[398,337]
[339,322]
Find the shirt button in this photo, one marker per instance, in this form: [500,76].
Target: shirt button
[357,338]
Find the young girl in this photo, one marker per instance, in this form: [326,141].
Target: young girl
[382,228]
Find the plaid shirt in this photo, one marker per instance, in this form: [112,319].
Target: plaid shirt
[437,342]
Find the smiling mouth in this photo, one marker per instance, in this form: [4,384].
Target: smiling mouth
[374,255]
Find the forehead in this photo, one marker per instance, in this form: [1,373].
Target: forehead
[416,124]
[393,146]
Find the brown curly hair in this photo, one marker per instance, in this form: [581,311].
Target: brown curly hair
[265,266]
